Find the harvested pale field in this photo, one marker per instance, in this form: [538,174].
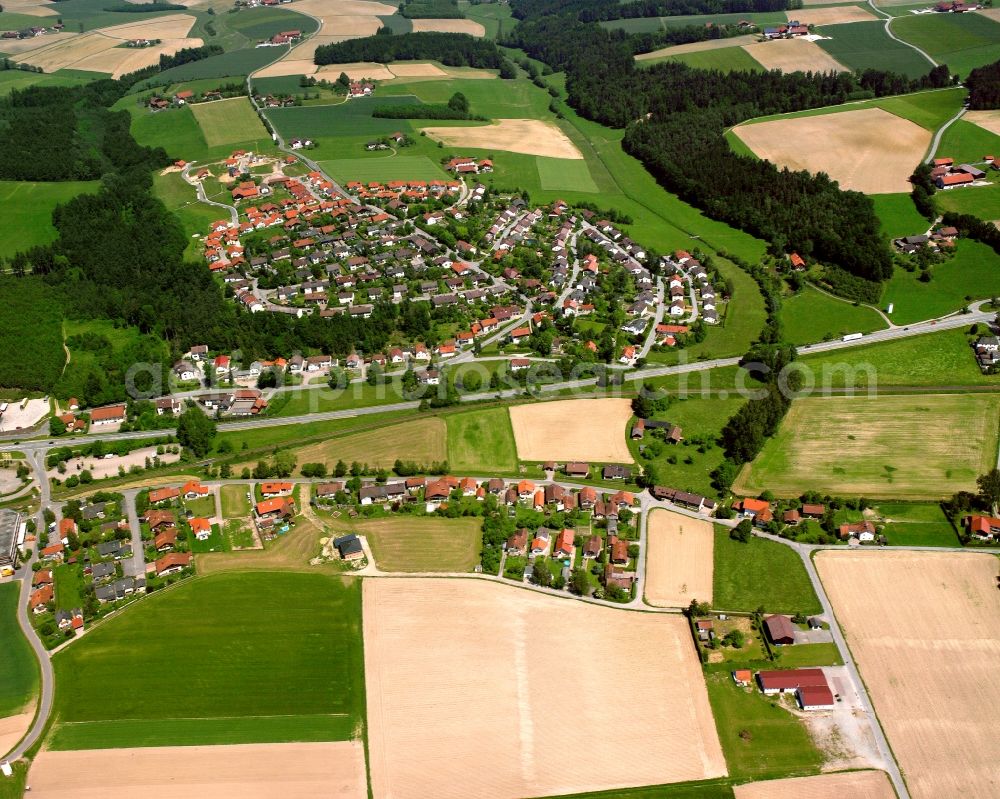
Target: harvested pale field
[416,69]
[900,447]
[448,26]
[13,728]
[353,26]
[472,690]
[697,47]
[987,120]
[572,430]
[527,136]
[281,68]
[250,771]
[124,60]
[924,628]
[32,8]
[62,54]
[845,785]
[19,46]
[471,73]
[869,150]
[172,26]
[832,15]
[324,9]
[992,13]
[358,70]
[794,55]
[679,560]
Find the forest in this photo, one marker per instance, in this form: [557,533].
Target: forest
[983,84]
[600,10]
[451,49]
[675,116]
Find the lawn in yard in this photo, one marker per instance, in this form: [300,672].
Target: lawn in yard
[812,315]
[216,542]
[867,446]
[238,534]
[255,667]
[916,524]
[27,211]
[481,442]
[18,668]
[934,359]
[973,272]
[866,45]
[804,655]
[421,544]
[759,737]
[235,504]
[760,573]
[962,41]
[203,506]
[385,168]
[229,122]
[69,586]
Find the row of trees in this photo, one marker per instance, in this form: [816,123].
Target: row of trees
[983,84]
[451,49]
[597,10]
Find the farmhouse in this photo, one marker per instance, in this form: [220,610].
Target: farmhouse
[863,531]
[954,179]
[789,680]
[984,528]
[112,414]
[779,630]
[172,563]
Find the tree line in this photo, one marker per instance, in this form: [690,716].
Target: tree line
[983,84]
[601,10]
[451,49]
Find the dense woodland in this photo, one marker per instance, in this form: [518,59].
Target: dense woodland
[451,49]
[598,10]
[984,87]
[675,116]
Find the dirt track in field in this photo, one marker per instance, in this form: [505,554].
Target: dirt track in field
[679,561]
[591,430]
[478,689]
[794,55]
[869,150]
[250,771]
[924,628]
[845,785]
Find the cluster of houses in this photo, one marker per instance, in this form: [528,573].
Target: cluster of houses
[947,175]
[182,98]
[792,30]
[31,32]
[360,88]
[464,165]
[954,7]
[762,515]
[987,351]
[940,239]
[809,686]
[282,38]
[398,193]
[275,512]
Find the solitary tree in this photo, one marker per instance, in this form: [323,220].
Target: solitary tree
[742,532]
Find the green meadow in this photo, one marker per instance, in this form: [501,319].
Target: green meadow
[725,59]
[962,41]
[388,167]
[26,211]
[811,316]
[252,657]
[18,668]
[898,215]
[481,442]
[968,143]
[866,45]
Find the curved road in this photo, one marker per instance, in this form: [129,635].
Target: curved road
[936,141]
[888,22]
[25,573]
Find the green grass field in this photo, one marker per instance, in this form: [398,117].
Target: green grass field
[27,211]
[69,586]
[962,41]
[494,17]
[236,63]
[234,502]
[353,118]
[561,174]
[883,446]
[229,121]
[812,316]
[180,198]
[898,215]
[760,573]
[913,524]
[981,201]
[967,143]
[385,168]
[935,359]
[402,544]
[258,657]
[972,272]
[803,655]
[866,45]
[18,668]
[760,738]
[421,440]
[481,442]
[263,23]
[16,79]
[725,59]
